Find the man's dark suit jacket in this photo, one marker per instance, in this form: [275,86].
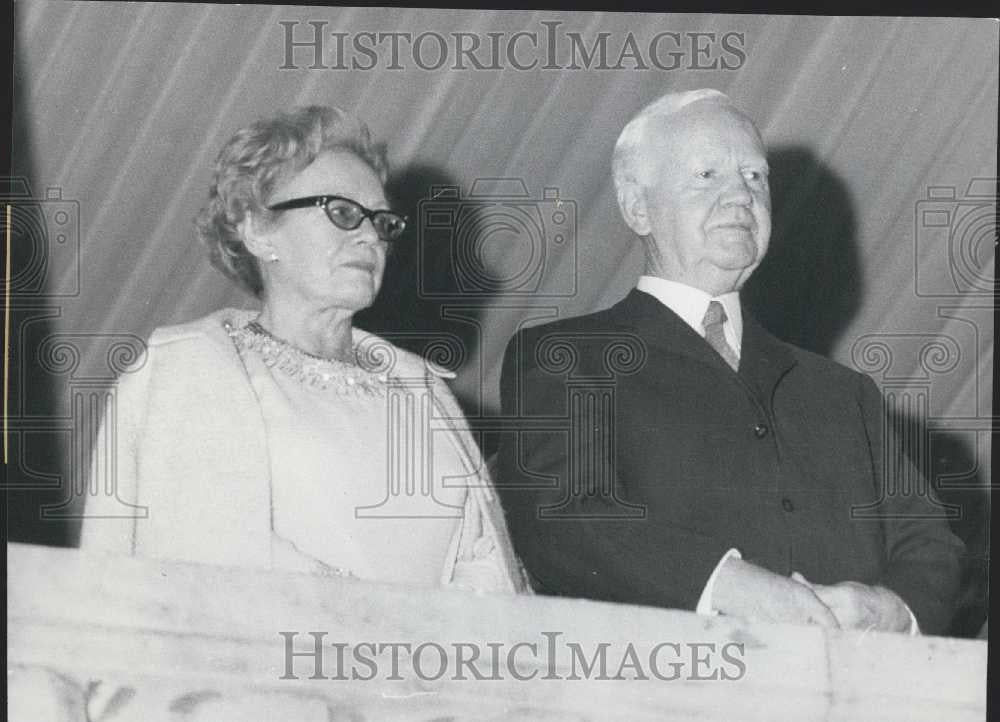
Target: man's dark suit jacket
[770,460]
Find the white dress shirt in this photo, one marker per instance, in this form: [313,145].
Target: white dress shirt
[691,304]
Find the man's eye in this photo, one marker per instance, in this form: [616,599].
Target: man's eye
[755,175]
[705,174]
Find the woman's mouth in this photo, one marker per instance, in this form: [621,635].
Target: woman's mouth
[366,266]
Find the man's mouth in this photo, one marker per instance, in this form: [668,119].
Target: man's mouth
[367,266]
[735,225]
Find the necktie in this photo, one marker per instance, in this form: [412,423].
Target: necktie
[713,322]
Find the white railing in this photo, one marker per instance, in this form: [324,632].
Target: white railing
[109,638]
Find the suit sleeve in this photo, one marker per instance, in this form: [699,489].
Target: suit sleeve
[580,551]
[923,556]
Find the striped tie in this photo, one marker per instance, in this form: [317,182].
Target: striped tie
[715,318]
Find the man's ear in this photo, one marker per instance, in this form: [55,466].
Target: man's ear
[632,203]
[253,239]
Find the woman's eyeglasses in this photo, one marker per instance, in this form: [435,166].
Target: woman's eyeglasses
[348,215]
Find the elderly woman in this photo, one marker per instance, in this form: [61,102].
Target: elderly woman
[288,438]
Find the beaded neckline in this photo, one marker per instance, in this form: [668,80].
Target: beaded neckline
[306,368]
[255,327]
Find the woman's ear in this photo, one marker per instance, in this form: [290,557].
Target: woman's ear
[632,203]
[255,241]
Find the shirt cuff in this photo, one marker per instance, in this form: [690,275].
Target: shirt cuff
[705,600]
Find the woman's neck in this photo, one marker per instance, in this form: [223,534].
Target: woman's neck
[322,332]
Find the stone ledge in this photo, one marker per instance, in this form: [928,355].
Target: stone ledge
[173,640]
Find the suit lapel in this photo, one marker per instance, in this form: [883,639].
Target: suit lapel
[764,360]
[664,330]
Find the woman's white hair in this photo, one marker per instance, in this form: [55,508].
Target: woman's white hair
[628,147]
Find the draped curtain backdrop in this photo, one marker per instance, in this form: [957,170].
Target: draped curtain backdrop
[882,139]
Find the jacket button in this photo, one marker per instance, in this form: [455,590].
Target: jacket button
[787,504]
[760,430]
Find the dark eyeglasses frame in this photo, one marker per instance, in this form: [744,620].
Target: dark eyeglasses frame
[324,201]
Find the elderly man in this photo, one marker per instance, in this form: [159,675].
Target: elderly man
[724,470]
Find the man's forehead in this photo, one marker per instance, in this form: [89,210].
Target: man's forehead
[702,113]
[700,122]
[671,103]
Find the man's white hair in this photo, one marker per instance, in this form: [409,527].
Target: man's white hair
[628,148]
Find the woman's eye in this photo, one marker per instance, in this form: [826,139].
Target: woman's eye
[344,213]
[705,174]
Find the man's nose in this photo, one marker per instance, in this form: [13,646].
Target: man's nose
[737,192]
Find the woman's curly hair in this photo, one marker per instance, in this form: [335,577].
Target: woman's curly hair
[254,161]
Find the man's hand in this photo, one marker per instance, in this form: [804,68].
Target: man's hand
[746,590]
[860,606]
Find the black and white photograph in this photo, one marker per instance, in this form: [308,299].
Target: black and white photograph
[411,364]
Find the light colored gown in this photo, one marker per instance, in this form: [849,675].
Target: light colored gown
[224,445]
[361,484]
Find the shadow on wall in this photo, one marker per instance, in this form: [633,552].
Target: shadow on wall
[422,306]
[808,288]
[35,481]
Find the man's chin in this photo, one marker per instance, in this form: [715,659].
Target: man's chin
[736,256]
